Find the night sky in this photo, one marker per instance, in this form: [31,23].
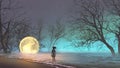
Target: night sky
[47,10]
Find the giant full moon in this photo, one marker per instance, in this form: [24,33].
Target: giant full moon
[29,45]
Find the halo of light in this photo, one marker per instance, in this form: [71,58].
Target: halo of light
[29,45]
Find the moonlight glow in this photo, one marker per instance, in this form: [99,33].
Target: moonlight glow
[29,45]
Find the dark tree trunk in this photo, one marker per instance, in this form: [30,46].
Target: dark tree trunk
[3,47]
[107,44]
[109,47]
[118,38]
[119,47]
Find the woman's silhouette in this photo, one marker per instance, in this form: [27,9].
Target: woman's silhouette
[53,54]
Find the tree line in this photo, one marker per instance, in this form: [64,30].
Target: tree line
[95,19]
[92,20]
[14,25]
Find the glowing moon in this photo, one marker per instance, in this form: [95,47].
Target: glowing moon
[29,45]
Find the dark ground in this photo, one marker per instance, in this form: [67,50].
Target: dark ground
[16,63]
[75,60]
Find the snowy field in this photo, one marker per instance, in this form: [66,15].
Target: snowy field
[73,60]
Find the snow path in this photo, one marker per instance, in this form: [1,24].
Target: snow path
[37,58]
[70,59]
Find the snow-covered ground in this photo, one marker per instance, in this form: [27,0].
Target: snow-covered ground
[75,59]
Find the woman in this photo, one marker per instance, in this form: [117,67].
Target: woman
[53,54]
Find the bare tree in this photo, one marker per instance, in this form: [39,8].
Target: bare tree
[7,19]
[114,23]
[91,22]
[18,31]
[56,32]
[38,32]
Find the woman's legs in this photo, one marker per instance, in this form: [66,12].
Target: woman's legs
[53,60]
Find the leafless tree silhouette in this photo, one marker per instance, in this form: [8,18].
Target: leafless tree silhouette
[8,20]
[56,32]
[91,22]
[114,10]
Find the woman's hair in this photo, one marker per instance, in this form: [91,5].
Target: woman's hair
[54,47]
